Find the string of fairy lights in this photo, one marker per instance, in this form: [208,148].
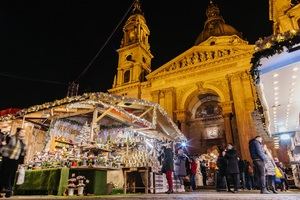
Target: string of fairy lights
[106,100]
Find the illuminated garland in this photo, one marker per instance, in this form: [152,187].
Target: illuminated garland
[270,46]
[107,100]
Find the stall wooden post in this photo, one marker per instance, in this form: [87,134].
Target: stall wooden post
[94,122]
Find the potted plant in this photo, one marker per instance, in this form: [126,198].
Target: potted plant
[80,185]
[71,185]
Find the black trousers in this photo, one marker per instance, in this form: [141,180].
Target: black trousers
[8,173]
[235,179]
[271,182]
[259,170]
[204,178]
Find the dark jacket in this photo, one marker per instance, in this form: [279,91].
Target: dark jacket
[180,165]
[203,167]
[232,162]
[167,162]
[222,165]
[242,166]
[256,150]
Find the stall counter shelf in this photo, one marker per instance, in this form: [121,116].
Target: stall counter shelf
[54,181]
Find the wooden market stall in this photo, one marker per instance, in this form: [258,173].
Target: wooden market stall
[104,137]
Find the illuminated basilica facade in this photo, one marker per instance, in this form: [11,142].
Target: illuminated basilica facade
[207,89]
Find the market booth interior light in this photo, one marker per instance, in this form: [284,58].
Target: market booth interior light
[285,137]
[183,144]
[280,87]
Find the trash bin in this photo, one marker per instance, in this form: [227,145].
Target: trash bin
[109,188]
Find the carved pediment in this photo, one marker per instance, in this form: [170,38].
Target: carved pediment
[200,56]
[231,40]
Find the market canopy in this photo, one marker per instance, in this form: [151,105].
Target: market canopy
[276,70]
[106,110]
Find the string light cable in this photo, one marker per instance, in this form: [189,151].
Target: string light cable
[106,42]
[31,79]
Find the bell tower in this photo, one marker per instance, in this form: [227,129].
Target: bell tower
[134,53]
[285,15]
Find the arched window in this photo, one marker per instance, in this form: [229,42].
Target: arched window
[129,58]
[127,76]
[208,109]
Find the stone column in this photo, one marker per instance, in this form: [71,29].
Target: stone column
[227,112]
[182,117]
[242,114]
[155,96]
[169,103]
[249,101]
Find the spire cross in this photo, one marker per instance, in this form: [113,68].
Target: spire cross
[137,6]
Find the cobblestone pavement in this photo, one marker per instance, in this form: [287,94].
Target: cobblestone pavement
[203,195]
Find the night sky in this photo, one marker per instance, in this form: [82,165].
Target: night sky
[47,44]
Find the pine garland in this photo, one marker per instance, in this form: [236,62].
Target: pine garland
[270,46]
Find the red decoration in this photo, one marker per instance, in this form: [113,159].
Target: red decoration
[8,111]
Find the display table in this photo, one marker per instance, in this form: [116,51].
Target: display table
[132,176]
[44,182]
[96,176]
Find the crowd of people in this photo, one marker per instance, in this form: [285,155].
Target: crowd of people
[263,172]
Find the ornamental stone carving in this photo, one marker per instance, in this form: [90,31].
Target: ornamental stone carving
[200,58]
[200,85]
[226,107]
[182,115]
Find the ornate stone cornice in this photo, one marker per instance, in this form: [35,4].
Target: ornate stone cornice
[226,107]
[240,75]
[124,88]
[155,93]
[199,59]
[182,115]
[234,76]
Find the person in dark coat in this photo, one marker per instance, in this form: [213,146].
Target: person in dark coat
[203,169]
[221,174]
[232,170]
[242,168]
[168,166]
[259,159]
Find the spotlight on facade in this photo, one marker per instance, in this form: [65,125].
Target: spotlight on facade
[285,137]
[183,144]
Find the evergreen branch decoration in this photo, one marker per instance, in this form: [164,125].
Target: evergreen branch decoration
[270,46]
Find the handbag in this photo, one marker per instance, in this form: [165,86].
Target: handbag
[278,173]
[21,175]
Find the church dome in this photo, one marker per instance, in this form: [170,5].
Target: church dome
[215,25]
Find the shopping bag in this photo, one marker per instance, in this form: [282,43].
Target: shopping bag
[21,176]
[278,173]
